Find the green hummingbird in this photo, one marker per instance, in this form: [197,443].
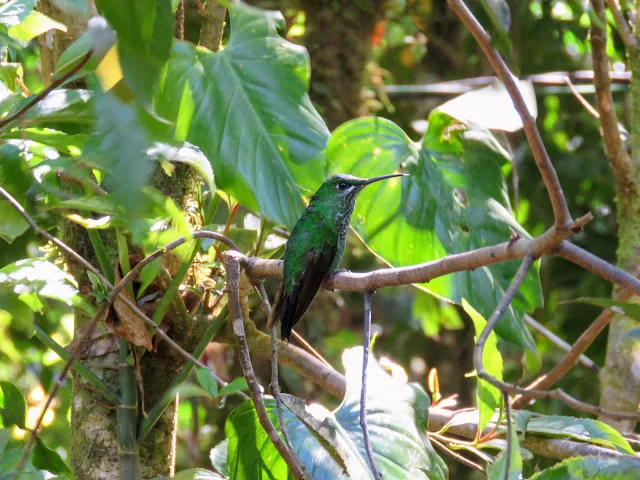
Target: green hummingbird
[315,246]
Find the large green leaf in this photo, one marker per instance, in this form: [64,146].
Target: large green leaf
[145,33]
[583,429]
[62,105]
[248,110]
[38,276]
[489,397]
[35,24]
[16,179]
[592,468]
[330,444]
[45,458]
[454,201]
[14,407]
[15,11]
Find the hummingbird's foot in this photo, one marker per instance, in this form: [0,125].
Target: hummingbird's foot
[328,278]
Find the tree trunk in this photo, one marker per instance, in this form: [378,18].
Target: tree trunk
[93,446]
[338,38]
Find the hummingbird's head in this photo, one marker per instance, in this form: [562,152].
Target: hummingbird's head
[346,186]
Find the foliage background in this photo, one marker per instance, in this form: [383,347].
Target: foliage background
[414,42]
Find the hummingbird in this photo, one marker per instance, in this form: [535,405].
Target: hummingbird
[316,245]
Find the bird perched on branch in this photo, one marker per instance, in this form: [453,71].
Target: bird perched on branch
[315,246]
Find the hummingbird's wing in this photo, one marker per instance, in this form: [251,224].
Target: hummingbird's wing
[291,305]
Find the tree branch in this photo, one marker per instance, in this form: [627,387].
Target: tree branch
[546,447]
[212,29]
[624,29]
[232,264]
[616,152]
[558,202]
[55,84]
[558,342]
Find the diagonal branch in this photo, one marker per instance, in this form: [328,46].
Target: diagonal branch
[615,149]
[363,389]
[558,202]
[623,26]
[232,264]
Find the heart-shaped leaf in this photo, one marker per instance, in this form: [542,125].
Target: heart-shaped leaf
[455,200]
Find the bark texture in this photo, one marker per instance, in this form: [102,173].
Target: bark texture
[338,38]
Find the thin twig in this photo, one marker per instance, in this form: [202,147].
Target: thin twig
[614,146]
[233,277]
[509,449]
[558,342]
[558,393]
[114,290]
[624,29]
[583,101]
[363,390]
[456,456]
[567,363]
[547,447]
[310,348]
[275,384]
[55,84]
[554,189]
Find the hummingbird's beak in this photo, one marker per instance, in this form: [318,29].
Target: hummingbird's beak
[384,177]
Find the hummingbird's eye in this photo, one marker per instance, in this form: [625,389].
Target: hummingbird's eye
[343,185]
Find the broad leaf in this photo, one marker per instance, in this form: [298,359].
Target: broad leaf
[218,457]
[16,179]
[45,458]
[59,106]
[15,11]
[248,110]
[41,278]
[145,34]
[498,11]
[592,468]
[492,106]
[583,429]
[488,397]
[454,201]
[14,406]
[35,24]
[205,378]
[187,154]
[236,385]
[330,444]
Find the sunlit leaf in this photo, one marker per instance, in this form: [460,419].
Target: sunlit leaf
[59,106]
[492,107]
[592,468]
[582,429]
[398,415]
[248,110]
[455,200]
[145,34]
[35,24]
[188,154]
[218,457]
[488,396]
[16,179]
[15,11]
